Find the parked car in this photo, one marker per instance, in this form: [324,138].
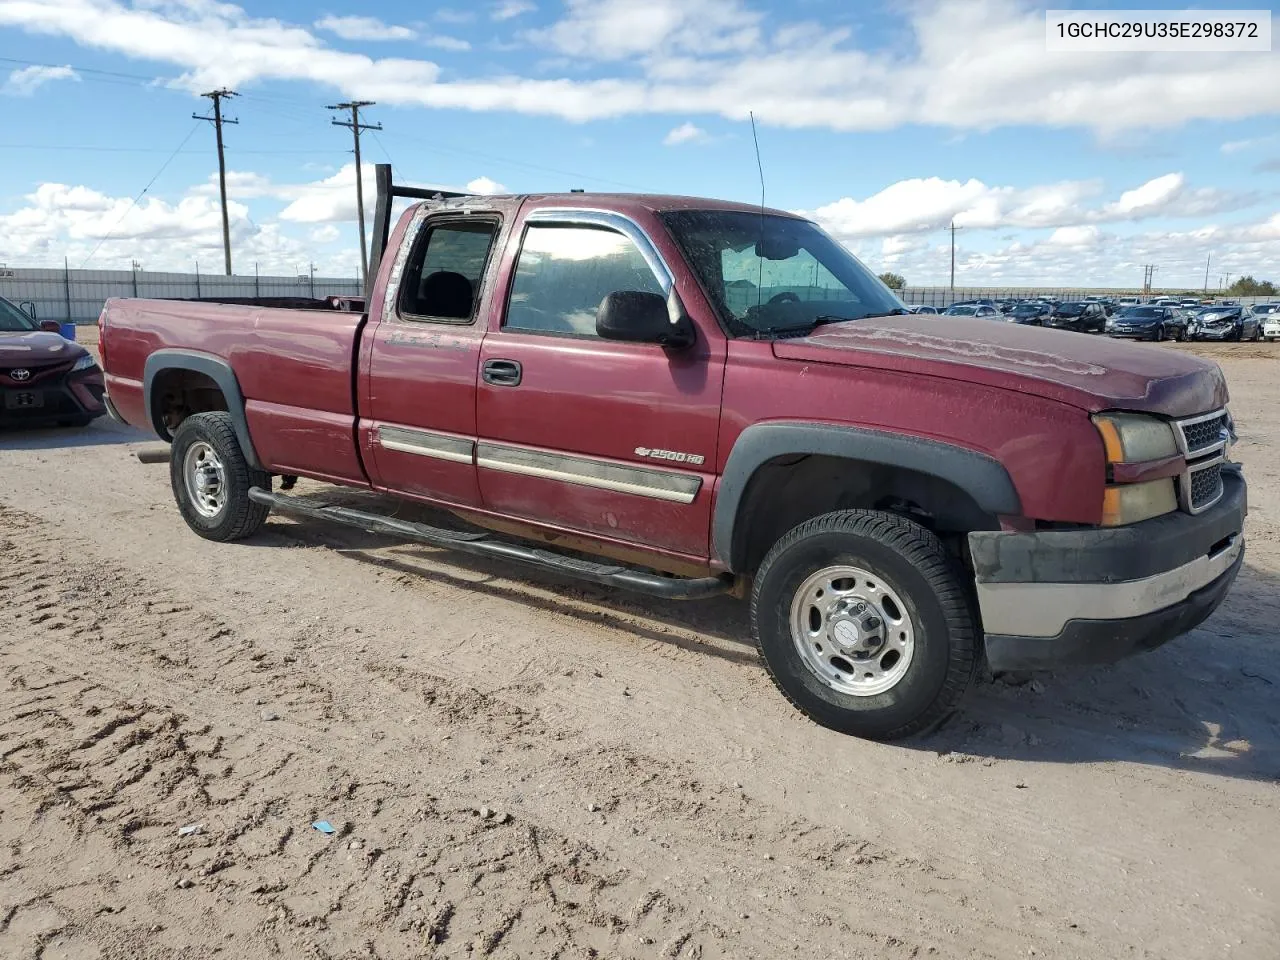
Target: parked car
[1078,316]
[1268,315]
[1128,301]
[1148,323]
[970,310]
[581,373]
[1030,313]
[921,308]
[44,378]
[1189,303]
[1225,323]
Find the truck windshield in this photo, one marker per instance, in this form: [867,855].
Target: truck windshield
[13,320]
[772,274]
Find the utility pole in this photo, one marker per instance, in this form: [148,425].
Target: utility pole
[953,259]
[355,126]
[1207,258]
[217,96]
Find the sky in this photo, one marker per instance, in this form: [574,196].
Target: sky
[883,121]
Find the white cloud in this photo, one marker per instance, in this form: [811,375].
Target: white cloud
[1074,237]
[325,234]
[510,9]
[685,133]
[1236,146]
[617,29]
[448,15]
[442,42]
[485,187]
[28,80]
[364,28]
[930,204]
[970,66]
[1088,256]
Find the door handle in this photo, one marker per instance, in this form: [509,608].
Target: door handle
[502,373]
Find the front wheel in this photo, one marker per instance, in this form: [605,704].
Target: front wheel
[211,479]
[1159,336]
[863,624]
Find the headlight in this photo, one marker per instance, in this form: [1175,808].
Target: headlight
[84,363]
[1134,502]
[1134,438]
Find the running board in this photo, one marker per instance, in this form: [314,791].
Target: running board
[484,545]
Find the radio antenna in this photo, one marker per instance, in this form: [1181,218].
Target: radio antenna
[760,247]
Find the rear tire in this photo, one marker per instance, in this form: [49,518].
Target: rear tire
[864,625]
[211,479]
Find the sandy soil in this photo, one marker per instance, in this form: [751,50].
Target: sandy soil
[518,766]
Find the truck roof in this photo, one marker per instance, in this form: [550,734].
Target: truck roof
[623,202]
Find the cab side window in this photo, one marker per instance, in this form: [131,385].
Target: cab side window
[443,275]
[563,273]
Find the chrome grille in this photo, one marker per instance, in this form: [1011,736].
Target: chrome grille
[1205,487]
[1203,440]
[1205,434]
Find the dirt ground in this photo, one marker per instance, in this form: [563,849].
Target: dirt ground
[519,766]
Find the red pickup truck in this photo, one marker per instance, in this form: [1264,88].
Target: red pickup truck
[709,397]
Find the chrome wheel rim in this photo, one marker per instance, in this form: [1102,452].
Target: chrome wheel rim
[852,630]
[206,479]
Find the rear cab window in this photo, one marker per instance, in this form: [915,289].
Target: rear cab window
[445,270]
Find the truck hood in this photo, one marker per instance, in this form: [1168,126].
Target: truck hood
[1087,371]
[36,347]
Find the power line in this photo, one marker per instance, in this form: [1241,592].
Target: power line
[135,200]
[99,149]
[355,126]
[217,96]
[382,147]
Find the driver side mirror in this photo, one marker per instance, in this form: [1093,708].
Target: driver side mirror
[637,317]
[50,326]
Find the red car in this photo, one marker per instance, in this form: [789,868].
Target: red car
[714,398]
[44,379]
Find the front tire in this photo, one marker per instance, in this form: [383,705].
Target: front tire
[211,479]
[864,625]
[1159,335]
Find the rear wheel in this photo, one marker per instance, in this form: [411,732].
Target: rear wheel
[863,624]
[211,479]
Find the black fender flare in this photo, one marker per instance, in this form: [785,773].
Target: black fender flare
[217,370]
[980,476]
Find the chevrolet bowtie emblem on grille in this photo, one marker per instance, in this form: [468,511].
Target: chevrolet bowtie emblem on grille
[20,375]
[675,456]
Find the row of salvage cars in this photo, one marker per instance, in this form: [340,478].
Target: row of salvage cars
[1165,319]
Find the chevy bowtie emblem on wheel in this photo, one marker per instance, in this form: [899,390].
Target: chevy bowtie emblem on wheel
[696,459]
[20,375]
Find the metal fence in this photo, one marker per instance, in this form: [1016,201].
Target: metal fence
[77,296]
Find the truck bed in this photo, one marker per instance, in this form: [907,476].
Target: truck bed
[294,368]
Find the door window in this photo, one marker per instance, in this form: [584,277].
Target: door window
[563,273]
[443,276]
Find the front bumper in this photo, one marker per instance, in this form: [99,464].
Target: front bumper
[1215,333]
[1094,596]
[74,397]
[1136,333]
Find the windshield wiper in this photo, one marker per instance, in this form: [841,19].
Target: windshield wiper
[823,319]
[895,312]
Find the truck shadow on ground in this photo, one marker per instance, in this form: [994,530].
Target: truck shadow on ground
[1205,702]
[101,432]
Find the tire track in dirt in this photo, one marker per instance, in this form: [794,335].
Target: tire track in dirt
[128,714]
